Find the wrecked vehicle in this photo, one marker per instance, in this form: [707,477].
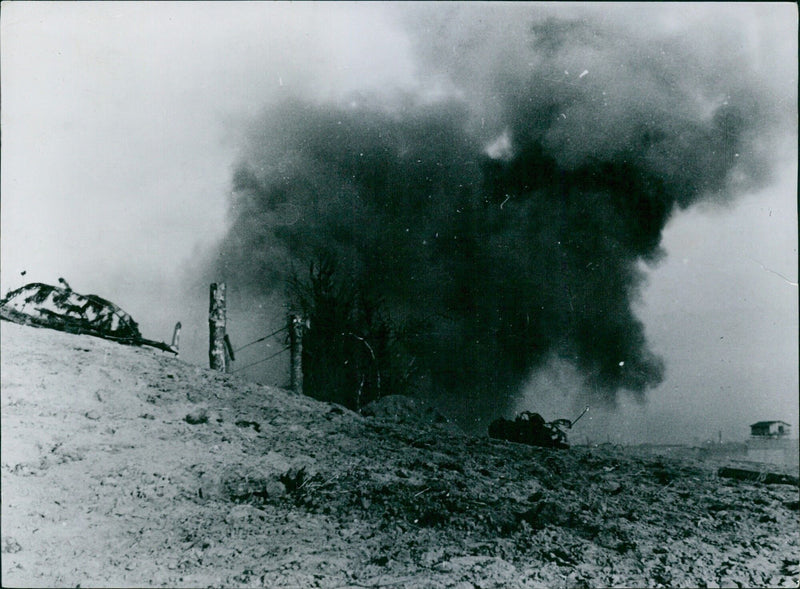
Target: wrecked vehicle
[61,308]
[531,428]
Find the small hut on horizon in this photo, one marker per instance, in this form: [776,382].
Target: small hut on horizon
[770,442]
[772,429]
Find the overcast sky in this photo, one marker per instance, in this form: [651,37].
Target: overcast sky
[122,124]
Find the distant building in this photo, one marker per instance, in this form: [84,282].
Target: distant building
[773,429]
[770,443]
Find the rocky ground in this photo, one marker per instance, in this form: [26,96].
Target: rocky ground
[125,466]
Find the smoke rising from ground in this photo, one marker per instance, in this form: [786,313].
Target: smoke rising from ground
[504,204]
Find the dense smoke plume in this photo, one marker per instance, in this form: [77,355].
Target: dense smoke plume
[504,206]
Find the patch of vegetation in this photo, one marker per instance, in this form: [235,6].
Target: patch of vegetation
[353,353]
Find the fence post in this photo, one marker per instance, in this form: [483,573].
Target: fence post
[216,327]
[229,355]
[296,353]
[176,338]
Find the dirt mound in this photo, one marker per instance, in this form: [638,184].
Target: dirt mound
[407,410]
[126,467]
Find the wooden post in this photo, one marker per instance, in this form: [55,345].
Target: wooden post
[176,338]
[229,355]
[296,353]
[216,327]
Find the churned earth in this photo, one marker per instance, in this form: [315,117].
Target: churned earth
[124,466]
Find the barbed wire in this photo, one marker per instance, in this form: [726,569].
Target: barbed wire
[270,357]
[261,339]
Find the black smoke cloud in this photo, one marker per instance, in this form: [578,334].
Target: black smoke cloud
[507,212]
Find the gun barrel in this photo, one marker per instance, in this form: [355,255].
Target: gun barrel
[585,409]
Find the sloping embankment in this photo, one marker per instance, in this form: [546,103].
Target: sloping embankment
[125,467]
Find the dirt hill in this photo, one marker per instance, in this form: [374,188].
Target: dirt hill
[124,466]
